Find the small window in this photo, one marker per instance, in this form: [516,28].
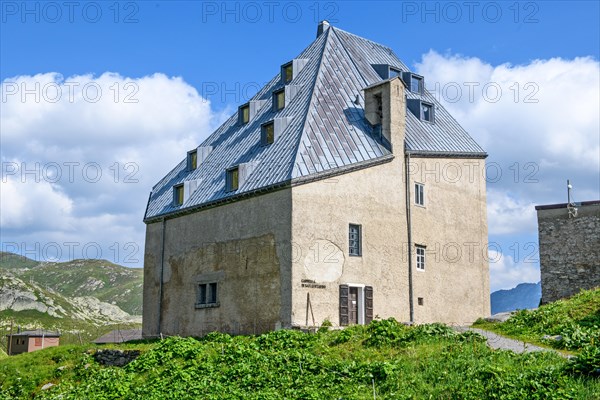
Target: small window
[233,176]
[421,258]
[420,301]
[416,84]
[419,194]
[268,133]
[178,195]
[354,239]
[193,160]
[427,112]
[207,295]
[279,100]
[288,72]
[244,114]
[395,72]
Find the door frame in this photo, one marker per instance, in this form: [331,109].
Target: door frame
[360,300]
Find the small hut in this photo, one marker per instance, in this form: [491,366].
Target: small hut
[28,341]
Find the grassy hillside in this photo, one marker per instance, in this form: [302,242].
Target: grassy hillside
[15,261]
[108,282]
[102,279]
[25,305]
[575,320]
[385,359]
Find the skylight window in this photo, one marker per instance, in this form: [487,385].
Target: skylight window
[279,100]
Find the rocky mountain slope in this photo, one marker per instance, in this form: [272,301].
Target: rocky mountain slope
[81,292]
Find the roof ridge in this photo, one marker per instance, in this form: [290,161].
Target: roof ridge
[365,39]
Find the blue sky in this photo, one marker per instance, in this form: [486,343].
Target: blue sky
[188,64]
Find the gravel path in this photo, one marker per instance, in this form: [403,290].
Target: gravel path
[496,341]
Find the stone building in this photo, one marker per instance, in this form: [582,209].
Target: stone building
[341,191]
[569,248]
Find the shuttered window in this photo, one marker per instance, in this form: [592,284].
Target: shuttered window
[344,299]
[366,306]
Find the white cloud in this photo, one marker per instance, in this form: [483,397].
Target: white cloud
[540,124]
[506,273]
[80,155]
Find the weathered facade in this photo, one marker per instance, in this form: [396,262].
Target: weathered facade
[342,191]
[569,249]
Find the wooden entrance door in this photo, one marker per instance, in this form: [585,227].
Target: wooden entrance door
[353,306]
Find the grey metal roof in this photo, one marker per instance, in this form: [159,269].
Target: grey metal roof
[327,131]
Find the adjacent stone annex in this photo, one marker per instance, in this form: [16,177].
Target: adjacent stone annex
[569,248]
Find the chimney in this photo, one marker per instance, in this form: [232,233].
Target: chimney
[323,26]
[385,108]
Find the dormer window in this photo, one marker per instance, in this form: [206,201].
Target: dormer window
[416,84]
[287,72]
[394,73]
[244,114]
[233,179]
[279,100]
[427,112]
[192,160]
[268,133]
[178,195]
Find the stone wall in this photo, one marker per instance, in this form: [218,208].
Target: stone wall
[569,250]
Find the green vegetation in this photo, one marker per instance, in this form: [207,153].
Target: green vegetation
[102,279]
[15,261]
[388,358]
[571,324]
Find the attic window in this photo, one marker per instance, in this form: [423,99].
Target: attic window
[268,133]
[427,112]
[279,100]
[192,160]
[178,195]
[416,84]
[287,72]
[244,114]
[394,73]
[233,179]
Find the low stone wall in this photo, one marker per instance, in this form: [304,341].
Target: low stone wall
[115,358]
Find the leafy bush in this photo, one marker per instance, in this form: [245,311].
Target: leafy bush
[587,362]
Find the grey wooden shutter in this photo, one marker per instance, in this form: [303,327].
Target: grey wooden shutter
[344,291]
[368,304]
